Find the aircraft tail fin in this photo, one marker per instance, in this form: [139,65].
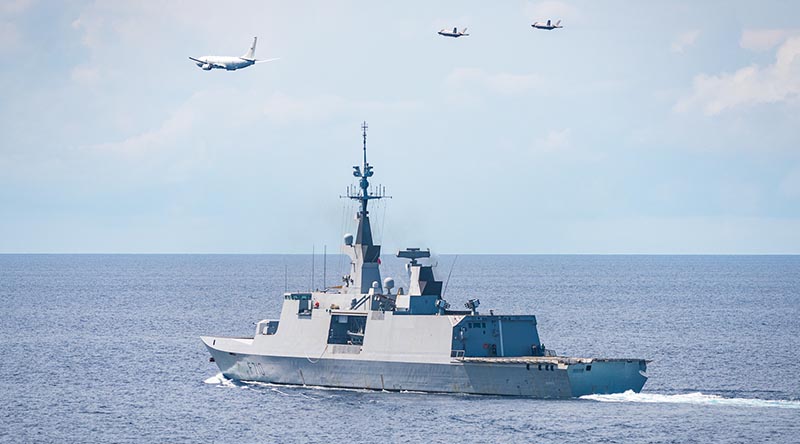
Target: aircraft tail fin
[558,22]
[251,53]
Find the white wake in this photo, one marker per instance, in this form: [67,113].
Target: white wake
[696,398]
[220,381]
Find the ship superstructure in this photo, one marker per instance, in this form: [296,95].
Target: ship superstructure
[367,334]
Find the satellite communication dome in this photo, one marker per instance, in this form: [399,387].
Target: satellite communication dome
[388,283]
[348,239]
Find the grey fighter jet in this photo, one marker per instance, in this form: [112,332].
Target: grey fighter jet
[455,33]
[547,26]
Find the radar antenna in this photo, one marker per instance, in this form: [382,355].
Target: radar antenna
[364,172]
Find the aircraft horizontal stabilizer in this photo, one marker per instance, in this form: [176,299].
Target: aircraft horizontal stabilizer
[267,60]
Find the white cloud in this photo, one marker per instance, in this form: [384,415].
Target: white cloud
[778,82]
[9,37]
[555,140]
[501,83]
[684,40]
[85,74]
[765,39]
[283,109]
[9,7]
[179,122]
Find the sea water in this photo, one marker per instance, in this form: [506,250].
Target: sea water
[106,348]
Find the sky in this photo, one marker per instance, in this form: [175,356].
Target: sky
[666,127]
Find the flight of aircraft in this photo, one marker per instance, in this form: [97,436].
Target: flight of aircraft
[547,25]
[230,63]
[455,33]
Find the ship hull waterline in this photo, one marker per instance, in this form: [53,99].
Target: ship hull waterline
[545,381]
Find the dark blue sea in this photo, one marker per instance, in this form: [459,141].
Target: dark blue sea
[106,348]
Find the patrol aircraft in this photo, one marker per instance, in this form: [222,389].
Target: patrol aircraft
[207,63]
[547,25]
[455,33]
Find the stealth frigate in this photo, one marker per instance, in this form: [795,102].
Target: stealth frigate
[365,334]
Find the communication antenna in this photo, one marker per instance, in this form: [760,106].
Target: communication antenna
[285,278]
[453,265]
[324,266]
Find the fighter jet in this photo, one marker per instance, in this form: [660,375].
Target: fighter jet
[455,33]
[547,25]
[207,63]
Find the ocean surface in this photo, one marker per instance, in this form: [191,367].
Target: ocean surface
[106,348]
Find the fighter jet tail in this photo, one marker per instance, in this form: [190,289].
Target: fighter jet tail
[251,53]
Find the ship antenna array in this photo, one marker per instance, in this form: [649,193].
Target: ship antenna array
[363,193]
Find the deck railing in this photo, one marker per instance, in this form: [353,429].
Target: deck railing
[456,353]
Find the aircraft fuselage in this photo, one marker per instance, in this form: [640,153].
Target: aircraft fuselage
[223,62]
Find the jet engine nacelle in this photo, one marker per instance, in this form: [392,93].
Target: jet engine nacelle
[206,67]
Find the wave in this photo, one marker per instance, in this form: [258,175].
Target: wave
[696,398]
[221,381]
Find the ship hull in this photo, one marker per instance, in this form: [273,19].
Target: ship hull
[486,377]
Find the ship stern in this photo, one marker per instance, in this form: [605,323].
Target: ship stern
[606,376]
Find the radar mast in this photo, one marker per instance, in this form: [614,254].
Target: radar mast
[364,253]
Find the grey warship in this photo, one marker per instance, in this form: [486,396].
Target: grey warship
[365,334]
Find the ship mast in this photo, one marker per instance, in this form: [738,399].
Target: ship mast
[364,194]
[364,253]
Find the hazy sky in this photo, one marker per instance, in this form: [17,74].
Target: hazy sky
[641,127]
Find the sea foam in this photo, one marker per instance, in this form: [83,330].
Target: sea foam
[696,398]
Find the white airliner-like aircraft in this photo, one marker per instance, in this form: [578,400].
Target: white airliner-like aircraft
[547,25]
[207,63]
[455,33]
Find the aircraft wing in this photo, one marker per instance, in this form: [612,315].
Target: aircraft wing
[216,65]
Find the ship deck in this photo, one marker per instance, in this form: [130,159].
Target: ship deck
[563,360]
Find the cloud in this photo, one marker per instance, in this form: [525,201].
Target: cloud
[684,40]
[283,109]
[85,74]
[10,36]
[555,140]
[178,123]
[765,39]
[500,83]
[10,7]
[775,83]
